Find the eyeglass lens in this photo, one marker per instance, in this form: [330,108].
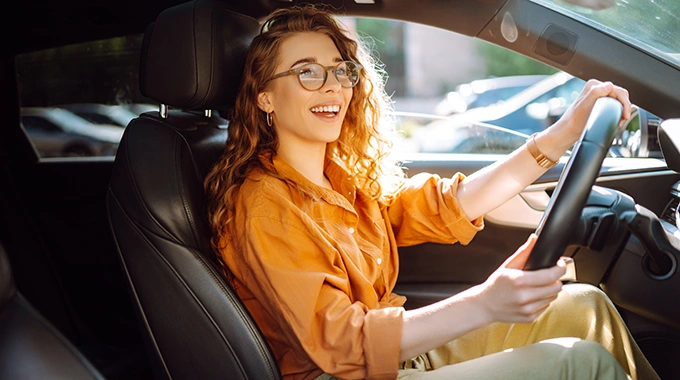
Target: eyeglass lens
[313,75]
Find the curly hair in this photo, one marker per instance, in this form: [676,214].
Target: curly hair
[364,143]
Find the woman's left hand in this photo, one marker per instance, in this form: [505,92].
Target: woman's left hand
[573,121]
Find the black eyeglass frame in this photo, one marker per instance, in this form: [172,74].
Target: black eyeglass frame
[297,70]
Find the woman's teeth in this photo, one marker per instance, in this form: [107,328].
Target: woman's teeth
[326,109]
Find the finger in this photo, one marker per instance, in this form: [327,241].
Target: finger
[624,97]
[528,313]
[590,84]
[519,258]
[538,313]
[540,277]
[621,94]
[538,305]
[563,260]
[599,89]
[603,89]
[532,295]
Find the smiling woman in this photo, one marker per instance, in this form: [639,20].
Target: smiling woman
[306,170]
[355,249]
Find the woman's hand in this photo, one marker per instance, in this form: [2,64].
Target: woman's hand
[567,130]
[509,295]
[512,295]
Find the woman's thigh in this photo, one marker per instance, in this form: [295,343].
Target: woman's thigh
[563,358]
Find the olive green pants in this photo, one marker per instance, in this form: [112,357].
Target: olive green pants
[580,336]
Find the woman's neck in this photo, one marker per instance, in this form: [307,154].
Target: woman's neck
[308,162]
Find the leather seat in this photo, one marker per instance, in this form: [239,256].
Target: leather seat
[194,324]
[30,346]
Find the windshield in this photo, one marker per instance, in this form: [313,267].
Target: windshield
[651,25]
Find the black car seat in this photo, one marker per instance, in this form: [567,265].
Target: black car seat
[30,346]
[194,325]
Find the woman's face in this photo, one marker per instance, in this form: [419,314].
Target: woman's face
[301,117]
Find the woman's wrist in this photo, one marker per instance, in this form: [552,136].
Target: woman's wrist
[554,141]
[478,305]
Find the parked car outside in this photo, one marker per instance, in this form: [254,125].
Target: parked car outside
[56,132]
[484,92]
[102,113]
[531,110]
[140,108]
[427,133]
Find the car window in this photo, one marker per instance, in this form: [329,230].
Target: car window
[37,124]
[96,118]
[76,100]
[651,25]
[456,94]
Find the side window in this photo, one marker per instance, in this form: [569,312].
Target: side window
[76,100]
[35,124]
[457,94]
[96,118]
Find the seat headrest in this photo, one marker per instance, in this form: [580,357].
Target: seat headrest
[193,55]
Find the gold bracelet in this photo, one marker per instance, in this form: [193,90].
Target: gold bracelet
[540,158]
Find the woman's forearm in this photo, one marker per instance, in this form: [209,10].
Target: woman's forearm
[508,295]
[437,324]
[494,185]
[490,187]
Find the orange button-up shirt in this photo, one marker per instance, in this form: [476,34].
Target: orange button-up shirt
[316,267]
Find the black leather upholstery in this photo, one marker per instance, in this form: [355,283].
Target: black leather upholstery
[192,57]
[195,326]
[30,347]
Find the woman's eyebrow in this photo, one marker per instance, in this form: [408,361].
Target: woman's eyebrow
[312,60]
[303,60]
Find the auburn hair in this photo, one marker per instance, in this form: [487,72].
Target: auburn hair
[364,143]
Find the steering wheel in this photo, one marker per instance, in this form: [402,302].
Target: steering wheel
[573,188]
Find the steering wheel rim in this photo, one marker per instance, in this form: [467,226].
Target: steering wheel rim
[574,184]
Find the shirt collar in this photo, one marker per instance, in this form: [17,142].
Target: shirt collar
[343,189]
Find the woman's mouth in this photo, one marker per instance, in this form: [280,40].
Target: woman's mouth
[327,112]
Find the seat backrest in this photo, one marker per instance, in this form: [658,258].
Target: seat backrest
[30,346]
[194,324]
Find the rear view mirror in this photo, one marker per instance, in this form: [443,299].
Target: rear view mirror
[669,139]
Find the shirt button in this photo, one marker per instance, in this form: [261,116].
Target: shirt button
[351,230]
[379,261]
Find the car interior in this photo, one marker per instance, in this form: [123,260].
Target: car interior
[106,269]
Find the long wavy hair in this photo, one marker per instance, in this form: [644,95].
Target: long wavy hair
[364,143]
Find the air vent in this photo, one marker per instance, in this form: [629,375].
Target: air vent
[669,212]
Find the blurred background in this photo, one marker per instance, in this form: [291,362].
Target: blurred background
[451,93]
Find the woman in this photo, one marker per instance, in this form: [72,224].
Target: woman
[308,210]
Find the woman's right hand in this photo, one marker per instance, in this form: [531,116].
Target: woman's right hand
[513,295]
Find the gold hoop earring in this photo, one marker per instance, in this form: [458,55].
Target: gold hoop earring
[269,119]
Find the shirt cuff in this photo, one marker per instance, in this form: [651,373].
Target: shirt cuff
[382,342]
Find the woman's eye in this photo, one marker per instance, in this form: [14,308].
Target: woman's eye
[306,72]
[311,71]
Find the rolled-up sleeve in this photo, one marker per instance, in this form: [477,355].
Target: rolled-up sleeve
[427,210]
[305,285]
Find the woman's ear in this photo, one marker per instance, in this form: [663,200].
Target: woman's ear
[264,103]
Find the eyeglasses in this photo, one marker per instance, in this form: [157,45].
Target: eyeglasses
[313,76]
